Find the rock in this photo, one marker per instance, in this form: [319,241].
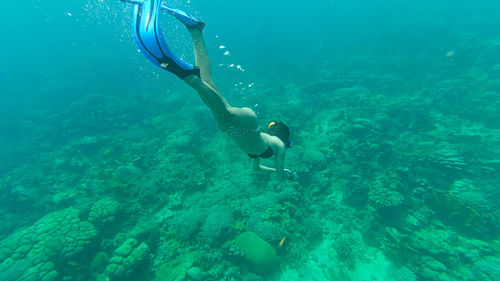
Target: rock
[128,173]
[52,275]
[99,262]
[466,211]
[126,248]
[362,127]
[195,274]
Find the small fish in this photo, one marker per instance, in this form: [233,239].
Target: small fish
[282,241]
[450,53]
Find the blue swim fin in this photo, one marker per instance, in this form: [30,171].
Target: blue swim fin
[133,1]
[185,18]
[149,39]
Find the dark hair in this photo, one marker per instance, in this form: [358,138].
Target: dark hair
[280,130]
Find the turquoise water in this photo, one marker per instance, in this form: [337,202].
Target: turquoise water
[113,169]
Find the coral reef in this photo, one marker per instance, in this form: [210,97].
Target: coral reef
[217,227]
[487,269]
[188,223]
[40,251]
[127,259]
[195,274]
[269,231]
[396,148]
[402,274]
[104,211]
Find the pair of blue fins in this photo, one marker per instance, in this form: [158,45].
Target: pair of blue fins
[149,37]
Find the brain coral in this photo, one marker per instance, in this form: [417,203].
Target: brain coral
[384,197]
[103,211]
[32,253]
[488,269]
[127,259]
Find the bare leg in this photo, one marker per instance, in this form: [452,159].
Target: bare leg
[205,86]
[201,57]
[217,104]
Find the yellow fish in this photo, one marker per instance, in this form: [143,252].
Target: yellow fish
[282,241]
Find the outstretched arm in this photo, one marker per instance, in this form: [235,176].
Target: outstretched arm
[279,162]
[258,167]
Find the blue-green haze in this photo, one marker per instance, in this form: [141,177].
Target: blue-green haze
[113,169]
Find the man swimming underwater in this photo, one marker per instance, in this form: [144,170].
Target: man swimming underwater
[241,124]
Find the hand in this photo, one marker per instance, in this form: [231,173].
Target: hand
[289,174]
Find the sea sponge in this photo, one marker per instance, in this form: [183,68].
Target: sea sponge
[260,254]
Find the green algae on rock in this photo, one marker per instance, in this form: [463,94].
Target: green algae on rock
[259,253]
